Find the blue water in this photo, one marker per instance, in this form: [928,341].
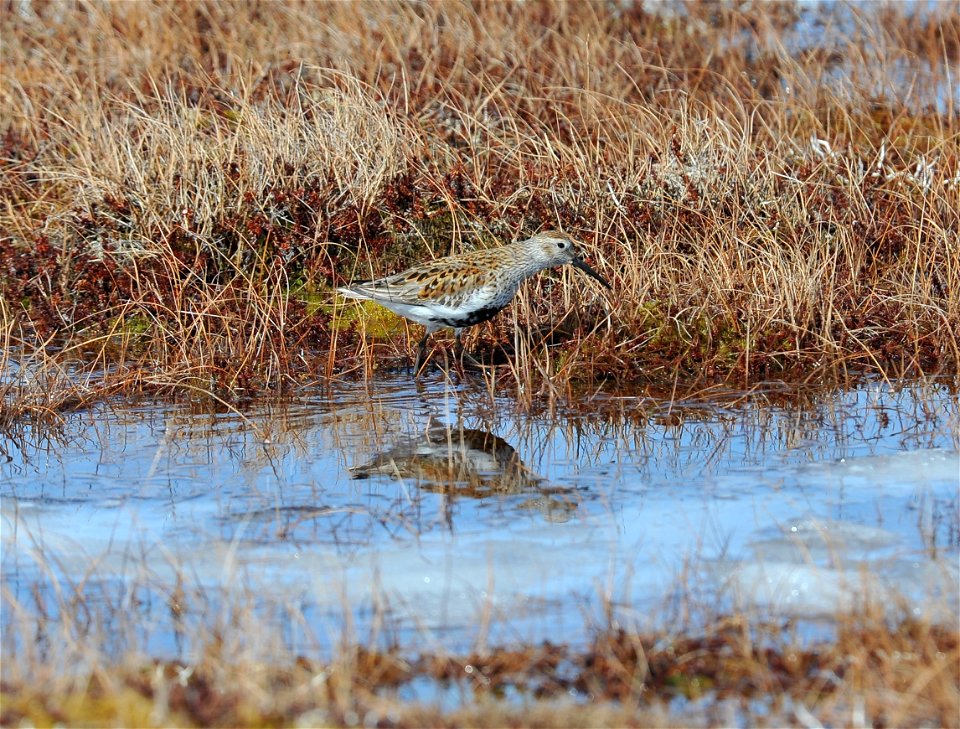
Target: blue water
[437,516]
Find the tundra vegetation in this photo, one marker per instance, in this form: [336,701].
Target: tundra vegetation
[773,191]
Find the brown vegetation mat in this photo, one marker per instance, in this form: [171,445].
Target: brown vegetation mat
[873,674]
[184,182]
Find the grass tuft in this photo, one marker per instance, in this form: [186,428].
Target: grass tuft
[767,187]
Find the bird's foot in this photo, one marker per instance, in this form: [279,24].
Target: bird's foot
[465,360]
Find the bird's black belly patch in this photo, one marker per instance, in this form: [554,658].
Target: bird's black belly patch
[470,318]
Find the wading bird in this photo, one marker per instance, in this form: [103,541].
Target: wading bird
[464,290]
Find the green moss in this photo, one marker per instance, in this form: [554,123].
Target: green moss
[371,318]
[125,707]
[316,301]
[136,324]
[663,329]
[692,687]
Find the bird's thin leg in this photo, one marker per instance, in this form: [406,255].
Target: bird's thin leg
[421,352]
[461,355]
[458,350]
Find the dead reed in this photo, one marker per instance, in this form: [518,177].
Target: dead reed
[182,184]
[78,660]
[769,189]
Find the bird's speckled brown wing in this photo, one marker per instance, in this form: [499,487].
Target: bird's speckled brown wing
[449,279]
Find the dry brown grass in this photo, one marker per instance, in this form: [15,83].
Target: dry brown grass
[191,179]
[183,183]
[79,661]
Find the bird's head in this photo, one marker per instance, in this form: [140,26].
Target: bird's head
[553,248]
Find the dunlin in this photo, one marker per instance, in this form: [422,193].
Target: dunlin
[464,290]
[451,459]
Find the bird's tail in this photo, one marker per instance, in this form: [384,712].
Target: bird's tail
[349,293]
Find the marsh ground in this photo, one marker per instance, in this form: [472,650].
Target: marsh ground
[769,188]
[397,554]
[773,190]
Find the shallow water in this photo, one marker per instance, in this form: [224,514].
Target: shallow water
[438,516]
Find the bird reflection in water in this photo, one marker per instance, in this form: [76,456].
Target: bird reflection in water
[468,463]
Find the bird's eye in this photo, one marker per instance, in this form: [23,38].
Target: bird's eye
[561,245]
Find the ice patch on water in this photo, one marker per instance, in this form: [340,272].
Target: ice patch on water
[924,590]
[906,469]
[814,567]
[809,538]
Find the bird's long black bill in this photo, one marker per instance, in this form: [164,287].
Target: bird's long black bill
[577,263]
